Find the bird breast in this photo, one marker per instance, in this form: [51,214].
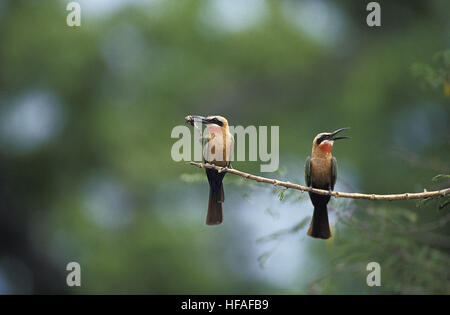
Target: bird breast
[321,171]
[218,149]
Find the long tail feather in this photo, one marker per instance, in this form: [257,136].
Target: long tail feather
[215,213]
[320,227]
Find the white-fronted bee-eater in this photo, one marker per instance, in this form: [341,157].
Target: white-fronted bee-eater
[218,150]
[320,173]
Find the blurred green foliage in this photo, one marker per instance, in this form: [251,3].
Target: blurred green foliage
[435,76]
[85,167]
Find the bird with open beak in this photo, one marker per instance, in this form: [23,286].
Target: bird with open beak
[320,173]
[218,150]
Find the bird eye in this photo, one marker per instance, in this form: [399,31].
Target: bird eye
[322,138]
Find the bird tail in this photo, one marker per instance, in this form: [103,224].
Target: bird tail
[215,214]
[320,228]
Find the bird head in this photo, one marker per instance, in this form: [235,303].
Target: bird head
[325,140]
[214,123]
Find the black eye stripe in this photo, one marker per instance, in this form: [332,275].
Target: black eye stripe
[321,139]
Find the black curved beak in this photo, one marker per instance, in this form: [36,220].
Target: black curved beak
[334,133]
[190,119]
[204,120]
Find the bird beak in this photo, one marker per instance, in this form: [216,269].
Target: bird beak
[334,133]
[195,118]
[191,119]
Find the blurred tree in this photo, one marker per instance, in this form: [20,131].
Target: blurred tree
[85,121]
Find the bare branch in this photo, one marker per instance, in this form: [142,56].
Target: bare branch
[404,196]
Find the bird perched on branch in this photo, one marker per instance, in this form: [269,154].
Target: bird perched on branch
[218,150]
[320,173]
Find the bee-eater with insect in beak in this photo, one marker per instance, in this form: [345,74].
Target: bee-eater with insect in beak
[320,173]
[218,150]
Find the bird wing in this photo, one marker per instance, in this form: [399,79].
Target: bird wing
[333,172]
[209,149]
[308,171]
[231,150]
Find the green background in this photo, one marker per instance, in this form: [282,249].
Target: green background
[86,174]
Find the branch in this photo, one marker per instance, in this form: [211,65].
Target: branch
[405,196]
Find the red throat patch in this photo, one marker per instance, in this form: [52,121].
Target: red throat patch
[214,128]
[326,146]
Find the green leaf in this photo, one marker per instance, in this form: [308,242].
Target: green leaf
[281,194]
[439,177]
[262,259]
[284,232]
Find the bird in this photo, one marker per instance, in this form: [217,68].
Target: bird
[218,151]
[320,173]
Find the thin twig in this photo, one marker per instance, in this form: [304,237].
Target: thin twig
[405,196]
